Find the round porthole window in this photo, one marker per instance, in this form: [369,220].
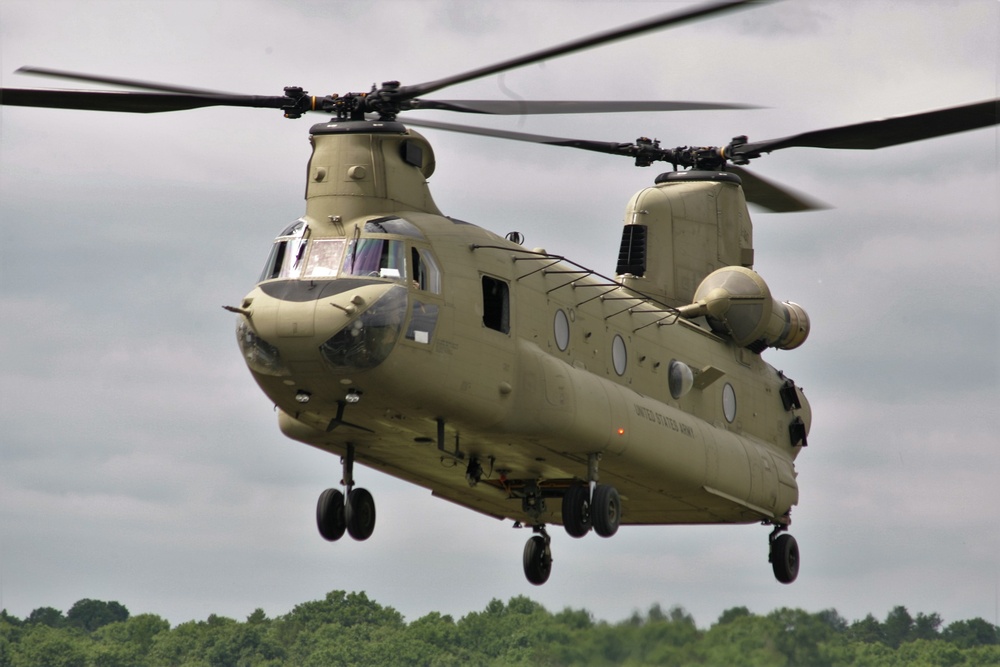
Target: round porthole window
[619,356]
[561,330]
[729,402]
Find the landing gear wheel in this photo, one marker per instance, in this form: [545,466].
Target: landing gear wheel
[606,510]
[537,560]
[330,515]
[785,558]
[576,511]
[360,514]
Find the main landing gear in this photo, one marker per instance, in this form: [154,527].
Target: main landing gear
[783,554]
[585,507]
[353,512]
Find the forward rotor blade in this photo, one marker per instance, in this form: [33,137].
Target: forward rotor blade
[774,197]
[654,23]
[533,107]
[116,81]
[609,147]
[97,100]
[886,132]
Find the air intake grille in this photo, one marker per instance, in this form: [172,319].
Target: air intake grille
[632,256]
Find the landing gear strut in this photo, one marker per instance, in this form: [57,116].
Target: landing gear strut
[596,506]
[783,555]
[353,512]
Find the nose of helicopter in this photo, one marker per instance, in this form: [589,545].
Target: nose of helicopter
[348,327]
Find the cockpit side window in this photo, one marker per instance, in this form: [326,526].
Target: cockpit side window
[426,274]
[375,257]
[285,260]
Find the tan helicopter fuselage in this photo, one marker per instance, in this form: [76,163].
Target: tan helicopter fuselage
[424,343]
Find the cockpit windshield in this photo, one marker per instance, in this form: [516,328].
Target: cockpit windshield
[295,256]
[325,258]
[375,257]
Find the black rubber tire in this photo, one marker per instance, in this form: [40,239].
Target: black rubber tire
[606,510]
[537,560]
[785,558]
[360,514]
[330,515]
[576,511]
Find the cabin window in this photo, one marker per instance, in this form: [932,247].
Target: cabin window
[560,330]
[729,402]
[377,258]
[619,355]
[325,257]
[426,275]
[496,304]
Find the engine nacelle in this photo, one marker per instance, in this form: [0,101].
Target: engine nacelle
[737,303]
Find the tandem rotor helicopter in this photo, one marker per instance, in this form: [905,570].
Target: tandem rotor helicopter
[516,382]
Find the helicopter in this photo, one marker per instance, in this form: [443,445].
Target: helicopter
[531,408]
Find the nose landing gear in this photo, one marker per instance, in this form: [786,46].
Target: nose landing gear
[330,515]
[353,512]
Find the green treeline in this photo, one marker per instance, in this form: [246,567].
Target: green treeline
[349,629]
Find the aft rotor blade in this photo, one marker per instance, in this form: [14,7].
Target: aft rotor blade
[654,23]
[98,100]
[774,197]
[533,107]
[886,132]
[609,147]
[764,193]
[117,81]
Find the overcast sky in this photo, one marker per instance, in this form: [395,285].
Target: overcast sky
[140,463]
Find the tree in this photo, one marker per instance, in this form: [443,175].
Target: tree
[975,632]
[258,616]
[52,647]
[7,618]
[730,615]
[350,629]
[89,615]
[344,609]
[746,640]
[868,631]
[833,620]
[898,626]
[926,626]
[48,616]
[802,637]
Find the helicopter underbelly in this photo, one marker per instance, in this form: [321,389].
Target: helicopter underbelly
[669,466]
